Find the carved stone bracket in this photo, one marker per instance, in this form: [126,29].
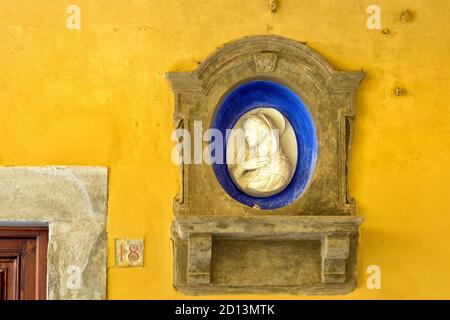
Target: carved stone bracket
[335,252]
[199,258]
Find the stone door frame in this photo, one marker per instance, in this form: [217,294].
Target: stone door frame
[73,202]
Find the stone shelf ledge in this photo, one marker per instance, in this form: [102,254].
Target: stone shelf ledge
[283,227]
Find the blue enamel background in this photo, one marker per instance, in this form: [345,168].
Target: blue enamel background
[262,93]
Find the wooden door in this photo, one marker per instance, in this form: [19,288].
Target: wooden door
[23,263]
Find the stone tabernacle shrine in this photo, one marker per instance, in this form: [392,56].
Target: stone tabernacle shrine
[281,221]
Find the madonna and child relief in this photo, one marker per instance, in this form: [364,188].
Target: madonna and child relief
[262,152]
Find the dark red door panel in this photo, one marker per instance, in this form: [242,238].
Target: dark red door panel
[23,263]
[10,277]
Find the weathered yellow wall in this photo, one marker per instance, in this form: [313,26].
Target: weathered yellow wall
[99,97]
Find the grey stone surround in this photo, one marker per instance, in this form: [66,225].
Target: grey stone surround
[73,202]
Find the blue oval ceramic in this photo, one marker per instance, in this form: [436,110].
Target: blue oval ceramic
[268,94]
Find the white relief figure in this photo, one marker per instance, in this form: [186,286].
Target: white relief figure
[259,166]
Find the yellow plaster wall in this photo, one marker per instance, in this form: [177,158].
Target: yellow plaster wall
[98,96]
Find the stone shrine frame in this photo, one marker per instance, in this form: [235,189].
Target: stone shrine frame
[72,201]
[309,246]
